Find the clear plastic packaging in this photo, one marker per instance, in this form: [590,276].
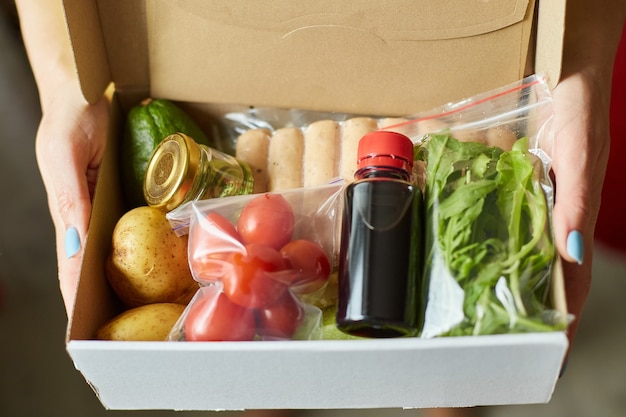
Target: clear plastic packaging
[263,263]
[489,243]
[483,164]
[292,149]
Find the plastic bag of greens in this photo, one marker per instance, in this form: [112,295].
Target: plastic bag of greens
[490,254]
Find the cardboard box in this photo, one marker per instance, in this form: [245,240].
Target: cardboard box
[368,57]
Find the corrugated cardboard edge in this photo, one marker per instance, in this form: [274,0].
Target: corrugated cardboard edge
[550,35]
[126,38]
[94,39]
[557,289]
[83,24]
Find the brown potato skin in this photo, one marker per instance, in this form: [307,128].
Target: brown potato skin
[148,261]
[151,322]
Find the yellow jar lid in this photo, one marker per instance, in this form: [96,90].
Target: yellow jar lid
[171,171]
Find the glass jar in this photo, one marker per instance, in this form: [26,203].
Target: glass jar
[181,170]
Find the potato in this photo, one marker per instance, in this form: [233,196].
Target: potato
[148,322]
[148,262]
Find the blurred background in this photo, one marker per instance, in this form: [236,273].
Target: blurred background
[37,377]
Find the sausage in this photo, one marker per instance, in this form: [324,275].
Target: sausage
[284,161]
[391,122]
[252,148]
[469,135]
[321,153]
[353,130]
[500,136]
[426,126]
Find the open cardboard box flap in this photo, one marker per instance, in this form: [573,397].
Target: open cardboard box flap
[286,55]
[369,57]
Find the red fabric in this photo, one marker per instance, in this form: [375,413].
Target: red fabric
[611,226]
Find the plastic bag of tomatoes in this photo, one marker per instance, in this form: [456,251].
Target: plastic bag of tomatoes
[263,263]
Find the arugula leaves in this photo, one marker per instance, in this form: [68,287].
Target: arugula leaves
[488,239]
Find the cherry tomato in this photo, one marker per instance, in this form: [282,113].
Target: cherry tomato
[310,263]
[256,279]
[267,220]
[282,319]
[211,240]
[213,317]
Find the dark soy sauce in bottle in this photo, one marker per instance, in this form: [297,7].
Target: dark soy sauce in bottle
[380,241]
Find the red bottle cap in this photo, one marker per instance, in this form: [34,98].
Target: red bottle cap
[385,149]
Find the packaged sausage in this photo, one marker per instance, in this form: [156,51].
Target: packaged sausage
[293,149]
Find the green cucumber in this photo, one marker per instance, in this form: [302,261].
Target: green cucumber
[147,124]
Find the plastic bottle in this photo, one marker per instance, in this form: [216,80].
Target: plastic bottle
[380,252]
[181,170]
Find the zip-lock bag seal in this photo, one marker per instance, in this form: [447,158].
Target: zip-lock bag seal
[490,252]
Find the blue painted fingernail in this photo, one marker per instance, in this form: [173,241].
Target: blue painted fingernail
[72,242]
[576,246]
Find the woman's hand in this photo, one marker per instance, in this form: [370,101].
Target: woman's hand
[70,145]
[71,137]
[581,143]
[580,156]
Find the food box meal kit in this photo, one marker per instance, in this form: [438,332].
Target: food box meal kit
[392,58]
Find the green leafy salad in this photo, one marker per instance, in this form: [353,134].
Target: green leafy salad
[488,239]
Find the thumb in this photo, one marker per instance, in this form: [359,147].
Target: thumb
[70,206]
[74,207]
[580,155]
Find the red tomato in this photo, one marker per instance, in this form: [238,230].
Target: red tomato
[310,263]
[267,220]
[211,240]
[213,317]
[256,279]
[282,319]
